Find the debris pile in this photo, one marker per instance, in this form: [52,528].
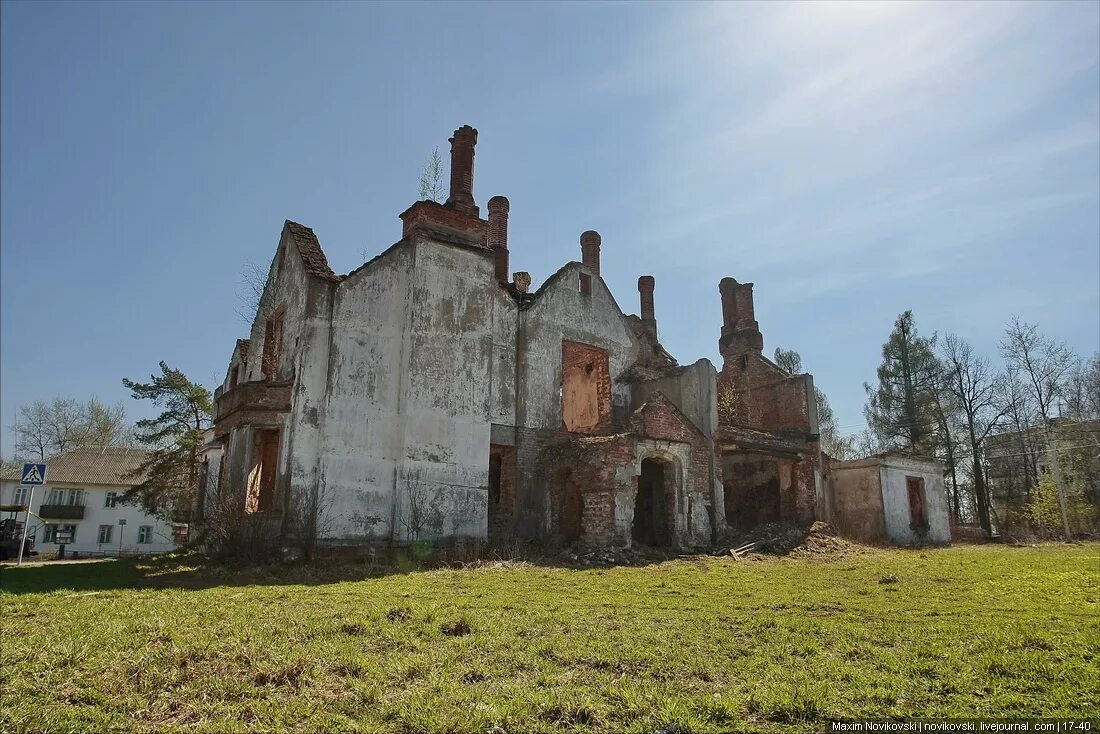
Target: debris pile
[782,539]
[636,556]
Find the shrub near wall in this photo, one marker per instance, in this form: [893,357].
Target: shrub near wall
[1044,514]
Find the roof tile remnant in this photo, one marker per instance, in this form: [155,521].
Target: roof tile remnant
[313,257]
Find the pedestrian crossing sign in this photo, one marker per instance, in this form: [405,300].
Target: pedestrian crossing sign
[33,474]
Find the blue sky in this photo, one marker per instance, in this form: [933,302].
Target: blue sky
[852,160]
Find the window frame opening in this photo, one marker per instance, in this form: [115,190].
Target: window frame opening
[263,472]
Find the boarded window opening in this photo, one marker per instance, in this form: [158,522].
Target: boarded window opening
[918,517]
[586,387]
[273,344]
[651,516]
[261,478]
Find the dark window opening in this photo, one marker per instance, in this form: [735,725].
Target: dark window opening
[586,284]
[273,344]
[234,376]
[651,516]
[494,479]
[752,487]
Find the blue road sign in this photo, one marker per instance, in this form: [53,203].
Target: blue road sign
[33,474]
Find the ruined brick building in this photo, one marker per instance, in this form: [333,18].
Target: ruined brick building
[431,394]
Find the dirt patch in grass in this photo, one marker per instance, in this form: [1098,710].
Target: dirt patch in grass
[458,628]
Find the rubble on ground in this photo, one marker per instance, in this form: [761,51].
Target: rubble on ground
[772,539]
[785,539]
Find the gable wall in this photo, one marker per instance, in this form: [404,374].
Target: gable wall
[287,287]
[561,313]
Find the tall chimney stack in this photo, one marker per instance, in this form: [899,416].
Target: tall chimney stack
[645,289]
[590,250]
[740,331]
[498,236]
[729,304]
[462,170]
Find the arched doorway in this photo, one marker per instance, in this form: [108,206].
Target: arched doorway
[653,504]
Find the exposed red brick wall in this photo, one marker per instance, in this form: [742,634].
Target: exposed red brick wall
[661,420]
[592,467]
[428,215]
[764,397]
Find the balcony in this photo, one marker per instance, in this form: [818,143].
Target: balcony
[261,402]
[61,512]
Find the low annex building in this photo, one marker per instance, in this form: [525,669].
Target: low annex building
[891,498]
[430,394]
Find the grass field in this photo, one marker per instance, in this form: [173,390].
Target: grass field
[707,644]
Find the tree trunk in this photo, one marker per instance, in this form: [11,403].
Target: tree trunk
[981,495]
[1058,482]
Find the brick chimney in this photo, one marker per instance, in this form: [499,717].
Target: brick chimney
[645,292]
[498,236]
[740,331]
[462,170]
[458,219]
[590,250]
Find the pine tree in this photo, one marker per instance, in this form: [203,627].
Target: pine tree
[901,410]
[175,437]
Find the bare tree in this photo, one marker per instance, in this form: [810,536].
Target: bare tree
[1019,463]
[1045,366]
[431,179]
[44,430]
[1083,391]
[105,425]
[975,388]
[251,293]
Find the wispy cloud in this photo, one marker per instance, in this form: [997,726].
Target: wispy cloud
[807,134]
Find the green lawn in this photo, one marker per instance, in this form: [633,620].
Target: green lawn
[709,644]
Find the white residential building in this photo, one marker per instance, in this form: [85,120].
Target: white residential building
[83,494]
